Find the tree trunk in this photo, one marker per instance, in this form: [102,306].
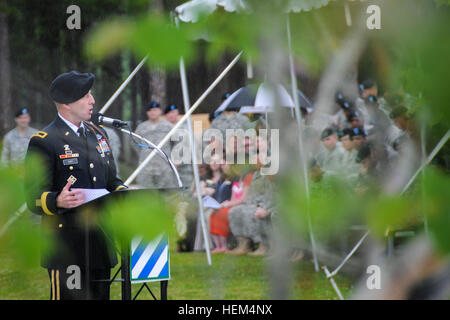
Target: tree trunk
[158,79]
[158,76]
[5,77]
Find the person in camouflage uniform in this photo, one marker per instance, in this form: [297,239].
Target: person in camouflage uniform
[16,141]
[230,119]
[330,158]
[184,169]
[157,174]
[350,168]
[252,219]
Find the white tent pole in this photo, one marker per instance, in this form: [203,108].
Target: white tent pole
[333,283]
[301,147]
[179,123]
[435,151]
[349,255]
[249,68]
[11,220]
[184,88]
[122,86]
[348,16]
[424,158]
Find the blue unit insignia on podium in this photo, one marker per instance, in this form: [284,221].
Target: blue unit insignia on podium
[149,260]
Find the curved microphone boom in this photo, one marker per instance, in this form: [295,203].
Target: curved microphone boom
[99,118]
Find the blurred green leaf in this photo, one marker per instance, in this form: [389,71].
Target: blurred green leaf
[229,31]
[152,34]
[436,205]
[108,38]
[12,194]
[315,36]
[162,40]
[333,207]
[11,191]
[393,212]
[145,215]
[23,237]
[27,240]
[442,2]
[419,65]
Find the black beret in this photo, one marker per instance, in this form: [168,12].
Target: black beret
[213,115]
[326,133]
[170,107]
[20,112]
[339,97]
[367,84]
[71,86]
[152,105]
[354,114]
[345,132]
[225,96]
[346,104]
[358,132]
[371,99]
[364,152]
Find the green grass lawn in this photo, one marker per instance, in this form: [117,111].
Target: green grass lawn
[229,277]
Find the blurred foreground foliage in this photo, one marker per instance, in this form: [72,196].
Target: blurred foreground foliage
[153,34]
[334,207]
[418,54]
[146,215]
[165,40]
[436,205]
[24,238]
[413,35]
[418,46]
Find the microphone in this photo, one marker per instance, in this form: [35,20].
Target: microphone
[98,119]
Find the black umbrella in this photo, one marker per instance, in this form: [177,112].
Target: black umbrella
[242,97]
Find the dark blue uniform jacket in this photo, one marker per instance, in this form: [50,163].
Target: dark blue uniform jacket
[91,163]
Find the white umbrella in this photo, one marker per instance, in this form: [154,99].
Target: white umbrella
[192,10]
[270,96]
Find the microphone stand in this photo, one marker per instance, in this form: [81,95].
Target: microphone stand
[161,153]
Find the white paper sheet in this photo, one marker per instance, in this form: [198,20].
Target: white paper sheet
[92,194]
[209,202]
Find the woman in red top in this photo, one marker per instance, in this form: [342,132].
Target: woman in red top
[218,221]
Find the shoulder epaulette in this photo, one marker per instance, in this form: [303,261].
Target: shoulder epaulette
[40,134]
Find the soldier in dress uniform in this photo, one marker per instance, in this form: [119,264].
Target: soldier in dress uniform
[157,174]
[76,154]
[16,141]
